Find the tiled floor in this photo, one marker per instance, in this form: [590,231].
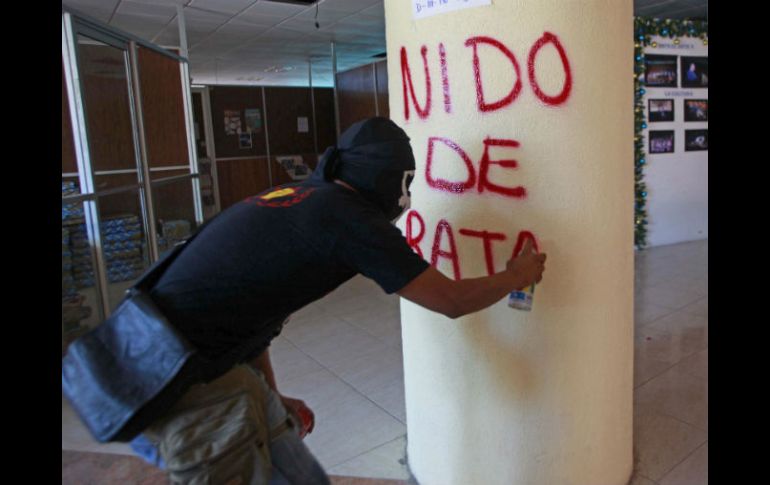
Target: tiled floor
[342,355]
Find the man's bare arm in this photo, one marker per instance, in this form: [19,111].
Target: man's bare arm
[436,292]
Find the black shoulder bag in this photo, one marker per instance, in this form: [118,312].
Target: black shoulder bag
[123,374]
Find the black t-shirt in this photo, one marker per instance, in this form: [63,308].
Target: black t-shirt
[270,255]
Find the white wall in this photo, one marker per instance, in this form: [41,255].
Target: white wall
[677,183]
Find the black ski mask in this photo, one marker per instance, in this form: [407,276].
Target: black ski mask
[374,157]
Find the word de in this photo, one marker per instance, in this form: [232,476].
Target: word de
[483,175]
[444,230]
[483,104]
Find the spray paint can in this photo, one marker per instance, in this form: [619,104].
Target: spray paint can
[522,299]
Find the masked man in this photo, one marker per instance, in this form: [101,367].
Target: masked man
[233,287]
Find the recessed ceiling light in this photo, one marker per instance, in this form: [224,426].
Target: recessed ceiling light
[279,68]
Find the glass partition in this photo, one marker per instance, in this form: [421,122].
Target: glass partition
[124,242]
[126,139]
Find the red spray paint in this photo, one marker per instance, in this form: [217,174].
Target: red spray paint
[567,88]
[441,227]
[513,94]
[445,79]
[485,183]
[411,240]
[406,77]
[487,237]
[441,184]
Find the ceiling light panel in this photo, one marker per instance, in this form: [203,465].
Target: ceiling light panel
[224,6]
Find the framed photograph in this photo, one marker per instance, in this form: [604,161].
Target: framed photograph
[660,71]
[232,122]
[244,140]
[696,140]
[253,120]
[694,71]
[661,110]
[696,109]
[662,141]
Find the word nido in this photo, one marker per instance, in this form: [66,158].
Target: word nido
[483,104]
[444,230]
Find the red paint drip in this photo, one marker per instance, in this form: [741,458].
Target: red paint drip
[406,77]
[484,183]
[441,184]
[412,241]
[522,237]
[511,97]
[445,79]
[442,226]
[565,92]
[487,237]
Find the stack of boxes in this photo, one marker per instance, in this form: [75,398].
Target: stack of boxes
[122,238]
[70,214]
[171,233]
[68,289]
[122,242]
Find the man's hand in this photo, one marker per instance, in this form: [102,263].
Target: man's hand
[302,414]
[527,267]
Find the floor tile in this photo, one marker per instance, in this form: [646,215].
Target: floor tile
[677,394]
[386,461]
[347,423]
[699,307]
[662,442]
[692,471]
[85,468]
[640,480]
[76,437]
[289,362]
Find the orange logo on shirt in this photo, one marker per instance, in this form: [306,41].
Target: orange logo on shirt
[278,193]
[282,197]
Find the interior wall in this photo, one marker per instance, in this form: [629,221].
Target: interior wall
[362,93]
[243,172]
[677,183]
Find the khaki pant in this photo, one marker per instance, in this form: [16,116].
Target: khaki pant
[218,432]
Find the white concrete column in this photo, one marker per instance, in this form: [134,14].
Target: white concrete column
[520,116]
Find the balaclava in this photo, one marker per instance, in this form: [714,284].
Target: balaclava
[373,156]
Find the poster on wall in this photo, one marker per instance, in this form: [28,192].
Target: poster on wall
[253,120]
[694,71]
[244,140]
[232,122]
[662,141]
[660,71]
[696,140]
[661,110]
[302,124]
[696,109]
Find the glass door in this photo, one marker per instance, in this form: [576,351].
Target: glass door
[110,234]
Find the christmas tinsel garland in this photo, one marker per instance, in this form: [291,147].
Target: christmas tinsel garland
[644,29]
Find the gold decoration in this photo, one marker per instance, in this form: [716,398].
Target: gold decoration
[654,44]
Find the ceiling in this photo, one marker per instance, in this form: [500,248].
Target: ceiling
[264,42]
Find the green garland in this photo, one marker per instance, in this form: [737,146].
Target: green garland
[644,29]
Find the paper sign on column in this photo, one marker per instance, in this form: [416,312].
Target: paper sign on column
[302,124]
[428,8]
